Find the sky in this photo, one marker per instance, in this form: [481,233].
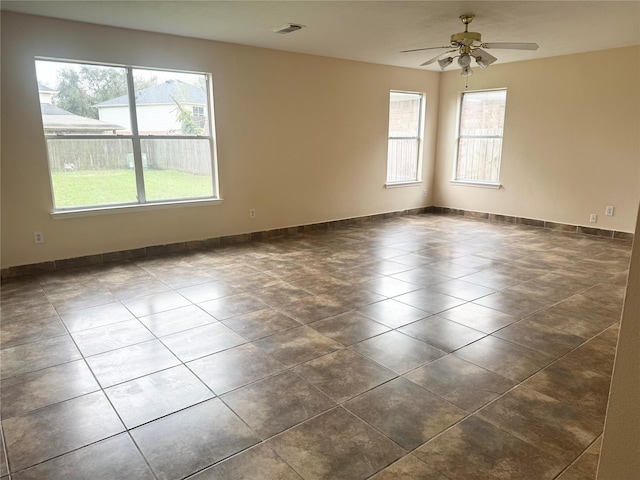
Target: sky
[47,71]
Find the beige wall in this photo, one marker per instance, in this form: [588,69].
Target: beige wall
[302,139]
[571,140]
[620,453]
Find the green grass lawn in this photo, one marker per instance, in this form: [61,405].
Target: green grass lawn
[100,187]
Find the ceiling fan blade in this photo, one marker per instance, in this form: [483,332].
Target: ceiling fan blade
[421,49]
[430,61]
[511,45]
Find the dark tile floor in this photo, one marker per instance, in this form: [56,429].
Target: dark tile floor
[421,347]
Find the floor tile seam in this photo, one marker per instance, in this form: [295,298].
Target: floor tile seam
[161,417]
[524,380]
[144,458]
[13,472]
[5,451]
[563,356]
[256,434]
[349,400]
[97,381]
[587,339]
[8,303]
[184,362]
[336,402]
[35,341]
[519,436]
[349,412]
[475,415]
[96,389]
[442,475]
[194,475]
[397,329]
[456,424]
[44,368]
[263,336]
[575,461]
[286,368]
[484,334]
[380,432]
[82,357]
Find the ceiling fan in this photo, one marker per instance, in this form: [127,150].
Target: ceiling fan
[469,45]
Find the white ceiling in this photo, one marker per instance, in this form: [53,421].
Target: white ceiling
[369,31]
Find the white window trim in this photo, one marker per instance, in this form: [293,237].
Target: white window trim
[412,183]
[468,183]
[134,207]
[472,183]
[142,203]
[420,138]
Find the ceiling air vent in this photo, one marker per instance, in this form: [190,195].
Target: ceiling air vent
[288,28]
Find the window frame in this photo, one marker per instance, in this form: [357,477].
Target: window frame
[475,182]
[419,138]
[199,109]
[135,137]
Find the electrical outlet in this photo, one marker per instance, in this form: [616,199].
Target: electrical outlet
[593,218]
[609,211]
[252,213]
[38,237]
[424,193]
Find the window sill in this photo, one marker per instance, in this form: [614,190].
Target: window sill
[476,184]
[403,184]
[111,209]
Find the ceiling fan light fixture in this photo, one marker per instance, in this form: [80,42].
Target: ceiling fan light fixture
[484,59]
[464,60]
[466,72]
[445,62]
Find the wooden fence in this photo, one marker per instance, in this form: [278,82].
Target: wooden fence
[402,160]
[184,155]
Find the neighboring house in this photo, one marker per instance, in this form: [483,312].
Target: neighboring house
[55,120]
[157,107]
[46,93]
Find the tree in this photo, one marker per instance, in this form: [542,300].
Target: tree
[189,126]
[72,97]
[81,89]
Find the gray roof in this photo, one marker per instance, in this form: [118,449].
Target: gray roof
[44,88]
[56,119]
[163,93]
[48,109]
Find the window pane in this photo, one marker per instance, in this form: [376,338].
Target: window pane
[177,168]
[71,96]
[404,136]
[404,114]
[171,103]
[402,160]
[479,159]
[483,113]
[91,172]
[480,141]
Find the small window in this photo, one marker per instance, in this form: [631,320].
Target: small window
[405,137]
[118,135]
[480,136]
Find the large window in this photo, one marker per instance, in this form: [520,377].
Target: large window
[405,137]
[119,135]
[480,136]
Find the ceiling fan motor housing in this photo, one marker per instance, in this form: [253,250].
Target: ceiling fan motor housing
[465,38]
